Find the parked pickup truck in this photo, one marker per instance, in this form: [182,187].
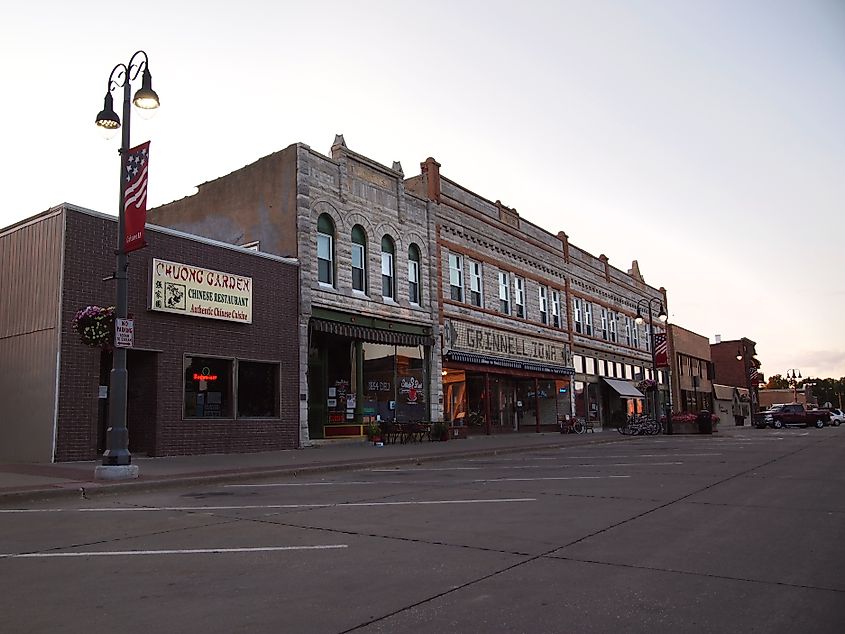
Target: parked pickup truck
[795,414]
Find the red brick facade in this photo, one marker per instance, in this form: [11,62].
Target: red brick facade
[156,391]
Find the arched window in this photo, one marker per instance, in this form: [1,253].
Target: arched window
[325,249]
[359,259]
[414,274]
[387,273]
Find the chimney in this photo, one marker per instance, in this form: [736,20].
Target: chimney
[431,171]
[718,338]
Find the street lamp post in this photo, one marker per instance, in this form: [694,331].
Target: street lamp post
[793,376]
[749,371]
[662,316]
[116,458]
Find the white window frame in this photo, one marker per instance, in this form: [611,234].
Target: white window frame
[588,319]
[543,297]
[456,277]
[556,309]
[326,240]
[414,280]
[363,268]
[613,319]
[577,315]
[504,292]
[519,299]
[387,263]
[635,332]
[476,284]
[605,330]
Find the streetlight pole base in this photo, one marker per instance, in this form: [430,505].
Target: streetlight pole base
[116,472]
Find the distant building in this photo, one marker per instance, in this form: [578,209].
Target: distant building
[735,363]
[692,379]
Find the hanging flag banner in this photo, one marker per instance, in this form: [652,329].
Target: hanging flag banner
[661,350]
[135,197]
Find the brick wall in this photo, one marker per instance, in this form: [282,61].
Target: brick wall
[272,336]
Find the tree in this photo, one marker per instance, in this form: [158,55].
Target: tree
[827,390]
[777,382]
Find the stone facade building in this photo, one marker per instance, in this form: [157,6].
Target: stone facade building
[422,300]
[535,330]
[368,308]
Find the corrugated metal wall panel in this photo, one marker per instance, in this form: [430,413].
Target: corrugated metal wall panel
[30,286]
[28,391]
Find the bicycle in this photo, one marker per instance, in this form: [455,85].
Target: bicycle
[574,426]
[639,426]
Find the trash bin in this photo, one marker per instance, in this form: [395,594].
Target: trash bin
[705,422]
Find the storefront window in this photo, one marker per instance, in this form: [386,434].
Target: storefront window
[455,397]
[258,389]
[208,387]
[394,382]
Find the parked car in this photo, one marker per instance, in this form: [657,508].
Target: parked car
[762,419]
[796,415]
[837,417]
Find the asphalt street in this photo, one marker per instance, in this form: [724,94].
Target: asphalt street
[655,534]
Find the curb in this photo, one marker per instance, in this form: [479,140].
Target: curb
[96,489]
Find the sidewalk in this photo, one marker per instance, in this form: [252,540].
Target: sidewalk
[30,481]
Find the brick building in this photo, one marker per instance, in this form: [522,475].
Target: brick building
[735,363]
[535,329]
[692,375]
[198,383]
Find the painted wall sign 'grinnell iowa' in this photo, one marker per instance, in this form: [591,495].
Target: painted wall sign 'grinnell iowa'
[200,292]
[465,337]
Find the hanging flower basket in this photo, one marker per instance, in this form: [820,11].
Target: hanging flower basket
[95,326]
[647,385]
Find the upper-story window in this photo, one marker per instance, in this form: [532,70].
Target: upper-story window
[578,315]
[542,294]
[647,329]
[588,318]
[629,327]
[556,309]
[475,284]
[504,293]
[456,277]
[359,259]
[519,292]
[635,335]
[414,275]
[325,249]
[605,325]
[613,317]
[388,286]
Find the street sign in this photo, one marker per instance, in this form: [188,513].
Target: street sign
[124,333]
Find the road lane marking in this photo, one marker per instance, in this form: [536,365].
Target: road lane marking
[248,507]
[192,551]
[645,455]
[552,478]
[306,484]
[591,464]
[426,482]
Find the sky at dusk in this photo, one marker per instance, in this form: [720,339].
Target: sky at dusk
[705,139]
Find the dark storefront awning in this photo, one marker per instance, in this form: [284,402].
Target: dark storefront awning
[623,388]
[371,335]
[502,362]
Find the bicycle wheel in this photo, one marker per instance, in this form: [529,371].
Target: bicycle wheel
[579,427]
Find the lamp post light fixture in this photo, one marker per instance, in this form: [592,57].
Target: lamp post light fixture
[117,460]
[793,376]
[662,316]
